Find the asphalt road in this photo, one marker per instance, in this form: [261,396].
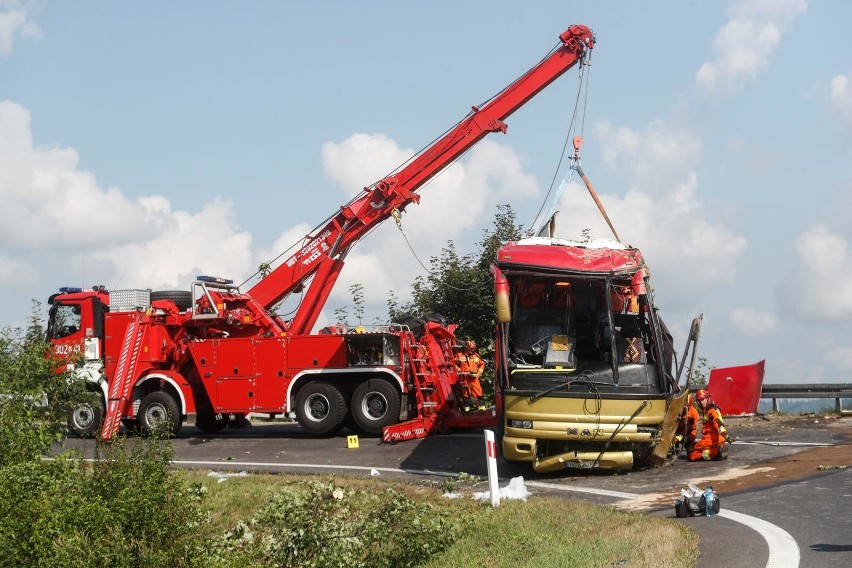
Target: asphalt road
[766,478]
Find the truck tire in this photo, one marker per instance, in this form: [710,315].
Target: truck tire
[181,298]
[156,408]
[414,324]
[320,408]
[86,419]
[375,404]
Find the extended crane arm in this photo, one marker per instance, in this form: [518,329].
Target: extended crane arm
[326,246]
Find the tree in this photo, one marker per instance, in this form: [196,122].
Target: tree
[342,315]
[460,287]
[700,375]
[357,291]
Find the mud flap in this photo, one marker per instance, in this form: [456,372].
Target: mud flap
[661,450]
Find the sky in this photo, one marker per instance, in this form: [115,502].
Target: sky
[145,143]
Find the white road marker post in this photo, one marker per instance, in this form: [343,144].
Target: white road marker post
[491,457]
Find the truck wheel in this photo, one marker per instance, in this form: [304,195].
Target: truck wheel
[86,419]
[156,408]
[181,298]
[375,404]
[208,423]
[320,408]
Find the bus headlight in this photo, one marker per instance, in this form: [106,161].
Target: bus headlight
[527,424]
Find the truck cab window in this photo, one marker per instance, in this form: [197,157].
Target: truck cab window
[65,320]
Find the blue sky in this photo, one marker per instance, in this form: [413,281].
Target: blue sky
[144,143]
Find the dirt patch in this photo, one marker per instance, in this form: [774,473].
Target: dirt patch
[802,465]
[805,464]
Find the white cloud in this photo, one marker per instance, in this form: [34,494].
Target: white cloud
[17,20]
[749,321]
[655,159]
[452,201]
[361,160]
[661,212]
[58,222]
[47,200]
[461,198]
[491,173]
[841,98]
[820,289]
[180,245]
[746,41]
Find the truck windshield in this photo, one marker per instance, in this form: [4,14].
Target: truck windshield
[64,320]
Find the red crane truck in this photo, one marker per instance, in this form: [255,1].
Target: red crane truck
[215,352]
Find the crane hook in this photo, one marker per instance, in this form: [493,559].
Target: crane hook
[578,142]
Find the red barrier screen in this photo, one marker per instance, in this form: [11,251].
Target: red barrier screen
[737,389]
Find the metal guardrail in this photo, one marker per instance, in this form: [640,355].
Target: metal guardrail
[837,391]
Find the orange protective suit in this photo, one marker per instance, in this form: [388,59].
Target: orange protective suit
[471,366]
[714,435]
[687,427]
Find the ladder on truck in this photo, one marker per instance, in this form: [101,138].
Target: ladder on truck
[125,374]
[437,404]
[431,395]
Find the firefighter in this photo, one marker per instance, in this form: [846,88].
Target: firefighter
[687,426]
[714,436]
[471,366]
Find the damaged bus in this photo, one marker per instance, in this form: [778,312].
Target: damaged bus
[584,370]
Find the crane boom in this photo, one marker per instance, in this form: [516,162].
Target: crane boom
[321,257]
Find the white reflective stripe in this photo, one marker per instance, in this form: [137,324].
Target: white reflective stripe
[577,489]
[783,549]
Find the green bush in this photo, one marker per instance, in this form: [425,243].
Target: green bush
[128,509]
[34,398]
[313,524]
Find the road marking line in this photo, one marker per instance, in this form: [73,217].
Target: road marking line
[605,492]
[783,548]
[220,463]
[773,443]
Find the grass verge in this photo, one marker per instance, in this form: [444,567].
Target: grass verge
[541,532]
